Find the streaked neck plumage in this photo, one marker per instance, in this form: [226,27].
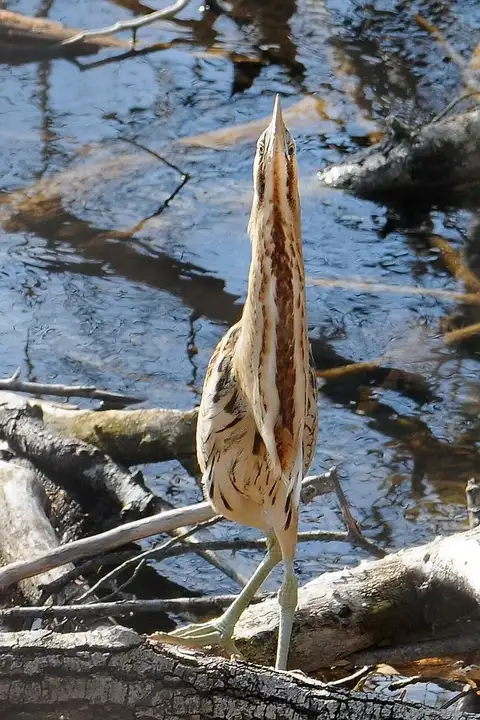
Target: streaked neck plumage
[272,357]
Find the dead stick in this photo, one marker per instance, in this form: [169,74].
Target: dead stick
[124,607]
[350,369]
[85,391]
[455,264]
[472,298]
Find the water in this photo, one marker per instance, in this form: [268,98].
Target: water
[117,283]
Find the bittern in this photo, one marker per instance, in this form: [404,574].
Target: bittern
[257,420]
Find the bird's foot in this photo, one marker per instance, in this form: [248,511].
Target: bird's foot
[213,634]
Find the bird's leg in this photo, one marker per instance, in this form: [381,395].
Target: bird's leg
[219,632]
[288,593]
[287,599]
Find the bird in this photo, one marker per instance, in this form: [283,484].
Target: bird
[257,420]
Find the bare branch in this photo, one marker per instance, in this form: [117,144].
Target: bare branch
[166,14]
[85,391]
[123,608]
[354,532]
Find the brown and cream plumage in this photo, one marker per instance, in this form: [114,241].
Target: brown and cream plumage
[257,421]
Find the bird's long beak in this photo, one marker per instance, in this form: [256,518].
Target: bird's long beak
[276,138]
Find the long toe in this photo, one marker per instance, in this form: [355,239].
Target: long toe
[213,633]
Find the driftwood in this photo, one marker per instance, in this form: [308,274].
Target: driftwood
[112,673]
[440,154]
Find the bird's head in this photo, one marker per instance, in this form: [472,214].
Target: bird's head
[275,177]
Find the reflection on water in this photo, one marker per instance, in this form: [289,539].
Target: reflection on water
[111,278]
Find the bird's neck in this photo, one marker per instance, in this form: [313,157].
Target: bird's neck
[272,354]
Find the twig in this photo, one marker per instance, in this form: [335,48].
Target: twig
[121,608]
[459,696]
[472,491]
[353,528]
[169,549]
[166,14]
[350,369]
[157,552]
[257,544]
[468,75]
[465,96]
[53,588]
[441,39]
[86,391]
[347,681]
[99,544]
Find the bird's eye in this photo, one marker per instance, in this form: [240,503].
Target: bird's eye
[291,148]
[261,148]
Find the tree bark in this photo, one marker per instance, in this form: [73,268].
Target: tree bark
[443,153]
[112,673]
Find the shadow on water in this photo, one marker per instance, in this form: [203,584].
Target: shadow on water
[98,285]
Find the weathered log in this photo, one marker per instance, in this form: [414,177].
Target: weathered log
[69,461]
[112,673]
[132,437]
[25,531]
[414,594]
[439,154]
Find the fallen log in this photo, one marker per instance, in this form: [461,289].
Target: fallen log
[439,154]
[113,673]
[132,437]
[26,533]
[70,462]
[426,592]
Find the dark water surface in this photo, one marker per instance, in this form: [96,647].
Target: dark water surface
[119,284]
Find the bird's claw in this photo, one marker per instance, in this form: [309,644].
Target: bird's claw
[212,634]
